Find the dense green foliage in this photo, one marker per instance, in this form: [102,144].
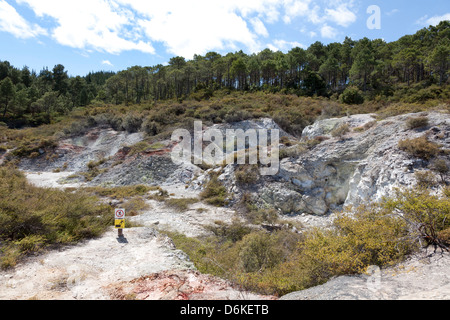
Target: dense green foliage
[412,69]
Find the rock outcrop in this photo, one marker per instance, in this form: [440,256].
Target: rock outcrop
[362,166]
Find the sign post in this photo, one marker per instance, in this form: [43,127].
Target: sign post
[119,221]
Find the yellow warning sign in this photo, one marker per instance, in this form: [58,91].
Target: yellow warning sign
[119,224]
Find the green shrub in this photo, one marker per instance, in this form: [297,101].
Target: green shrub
[135,205]
[150,127]
[352,95]
[232,232]
[247,174]
[139,147]
[440,166]
[121,192]
[34,147]
[294,151]
[259,252]
[215,192]
[93,164]
[132,122]
[417,122]
[429,93]
[31,243]
[76,128]
[311,143]
[426,214]
[116,122]
[419,147]
[425,179]
[340,131]
[284,261]
[180,204]
[368,238]
[444,236]
[237,115]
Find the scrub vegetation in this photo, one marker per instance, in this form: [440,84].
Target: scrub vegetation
[283,260]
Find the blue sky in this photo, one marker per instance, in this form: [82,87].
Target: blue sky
[112,35]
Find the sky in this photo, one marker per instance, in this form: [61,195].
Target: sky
[112,35]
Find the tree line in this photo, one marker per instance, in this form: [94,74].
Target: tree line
[364,68]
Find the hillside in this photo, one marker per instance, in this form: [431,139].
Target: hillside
[265,176]
[227,221]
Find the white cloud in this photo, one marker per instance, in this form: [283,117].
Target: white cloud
[11,21]
[296,8]
[107,62]
[259,27]
[342,15]
[320,15]
[328,32]
[316,12]
[425,21]
[187,29]
[184,27]
[392,12]
[285,46]
[85,24]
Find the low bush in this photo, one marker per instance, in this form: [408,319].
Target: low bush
[180,204]
[444,235]
[247,174]
[368,238]
[215,192]
[340,131]
[417,122]
[440,167]
[132,122]
[139,147]
[237,115]
[352,95]
[116,122]
[425,179]
[426,215]
[150,127]
[419,147]
[293,151]
[30,148]
[121,192]
[135,206]
[76,128]
[229,232]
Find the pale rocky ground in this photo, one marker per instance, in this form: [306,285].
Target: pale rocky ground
[364,165]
